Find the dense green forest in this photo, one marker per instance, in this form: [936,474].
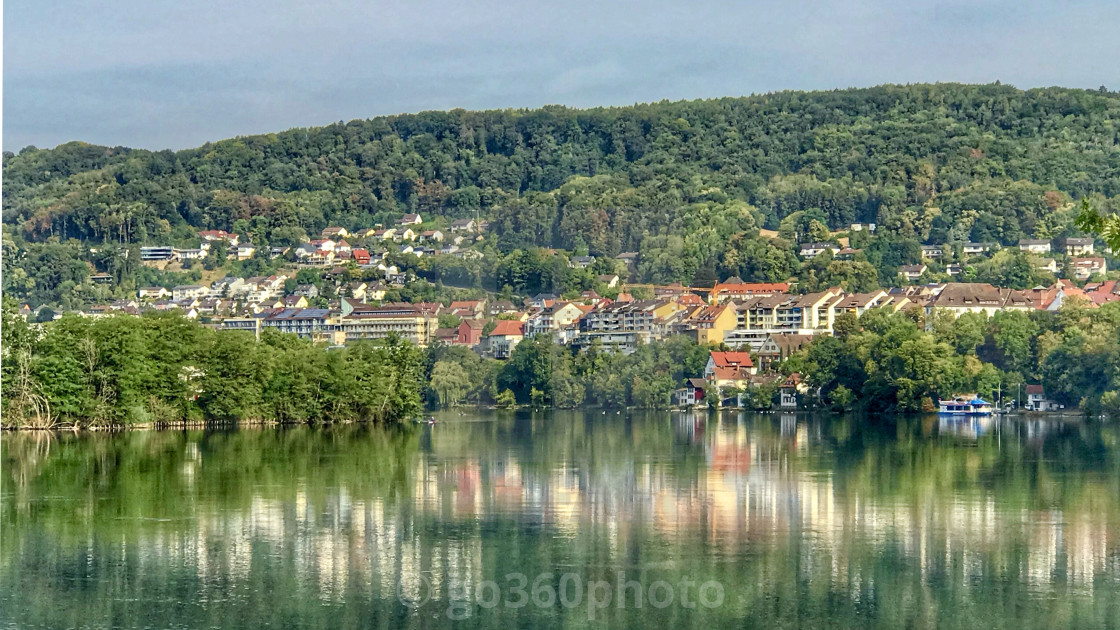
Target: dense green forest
[163,368]
[686,184]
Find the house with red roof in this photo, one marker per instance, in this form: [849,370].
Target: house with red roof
[504,338]
[218,235]
[360,255]
[729,369]
[1103,292]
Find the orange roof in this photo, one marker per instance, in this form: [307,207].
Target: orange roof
[689,299]
[732,359]
[508,327]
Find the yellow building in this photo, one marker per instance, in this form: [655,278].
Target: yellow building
[711,323]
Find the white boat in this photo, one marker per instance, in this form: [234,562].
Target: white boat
[965,406]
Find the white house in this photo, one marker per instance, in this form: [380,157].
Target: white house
[973,249]
[463,225]
[1079,246]
[1034,245]
[185,291]
[191,254]
[1047,264]
[244,251]
[812,250]
[912,272]
[1036,400]
[153,292]
[1085,268]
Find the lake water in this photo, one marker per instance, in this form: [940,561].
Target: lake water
[567,520]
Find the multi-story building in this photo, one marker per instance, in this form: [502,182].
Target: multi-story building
[226,287]
[1085,268]
[711,323]
[811,313]
[1079,246]
[621,316]
[157,253]
[184,291]
[553,317]
[309,323]
[415,322]
[725,291]
[504,338]
[976,297]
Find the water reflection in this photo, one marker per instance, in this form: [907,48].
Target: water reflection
[803,519]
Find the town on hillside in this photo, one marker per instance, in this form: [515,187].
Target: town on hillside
[348,286]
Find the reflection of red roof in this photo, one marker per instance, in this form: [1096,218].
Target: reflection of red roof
[508,327]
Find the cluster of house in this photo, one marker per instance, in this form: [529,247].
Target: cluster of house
[728,375]
[162,253]
[742,315]
[763,320]
[332,246]
[1079,252]
[406,237]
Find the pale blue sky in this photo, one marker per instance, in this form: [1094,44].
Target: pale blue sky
[174,74]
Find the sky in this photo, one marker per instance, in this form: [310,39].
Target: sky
[162,74]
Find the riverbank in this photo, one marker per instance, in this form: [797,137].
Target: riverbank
[448,415]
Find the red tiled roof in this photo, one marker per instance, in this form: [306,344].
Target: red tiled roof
[508,327]
[732,359]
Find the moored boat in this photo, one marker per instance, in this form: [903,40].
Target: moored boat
[965,405]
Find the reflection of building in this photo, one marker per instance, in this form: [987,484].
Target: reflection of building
[614,491]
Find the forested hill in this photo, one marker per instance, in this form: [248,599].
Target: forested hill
[931,163]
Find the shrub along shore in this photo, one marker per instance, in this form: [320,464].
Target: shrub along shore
[165,370]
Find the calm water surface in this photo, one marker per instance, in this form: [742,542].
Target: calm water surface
[534,520]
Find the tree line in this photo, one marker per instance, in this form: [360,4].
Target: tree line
[162,368]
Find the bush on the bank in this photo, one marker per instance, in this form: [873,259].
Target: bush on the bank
[162,368]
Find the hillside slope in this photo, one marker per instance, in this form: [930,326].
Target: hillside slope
[681,182]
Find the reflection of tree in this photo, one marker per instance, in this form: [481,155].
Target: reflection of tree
[846,522]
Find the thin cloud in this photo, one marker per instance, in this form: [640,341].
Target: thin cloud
[162,74]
